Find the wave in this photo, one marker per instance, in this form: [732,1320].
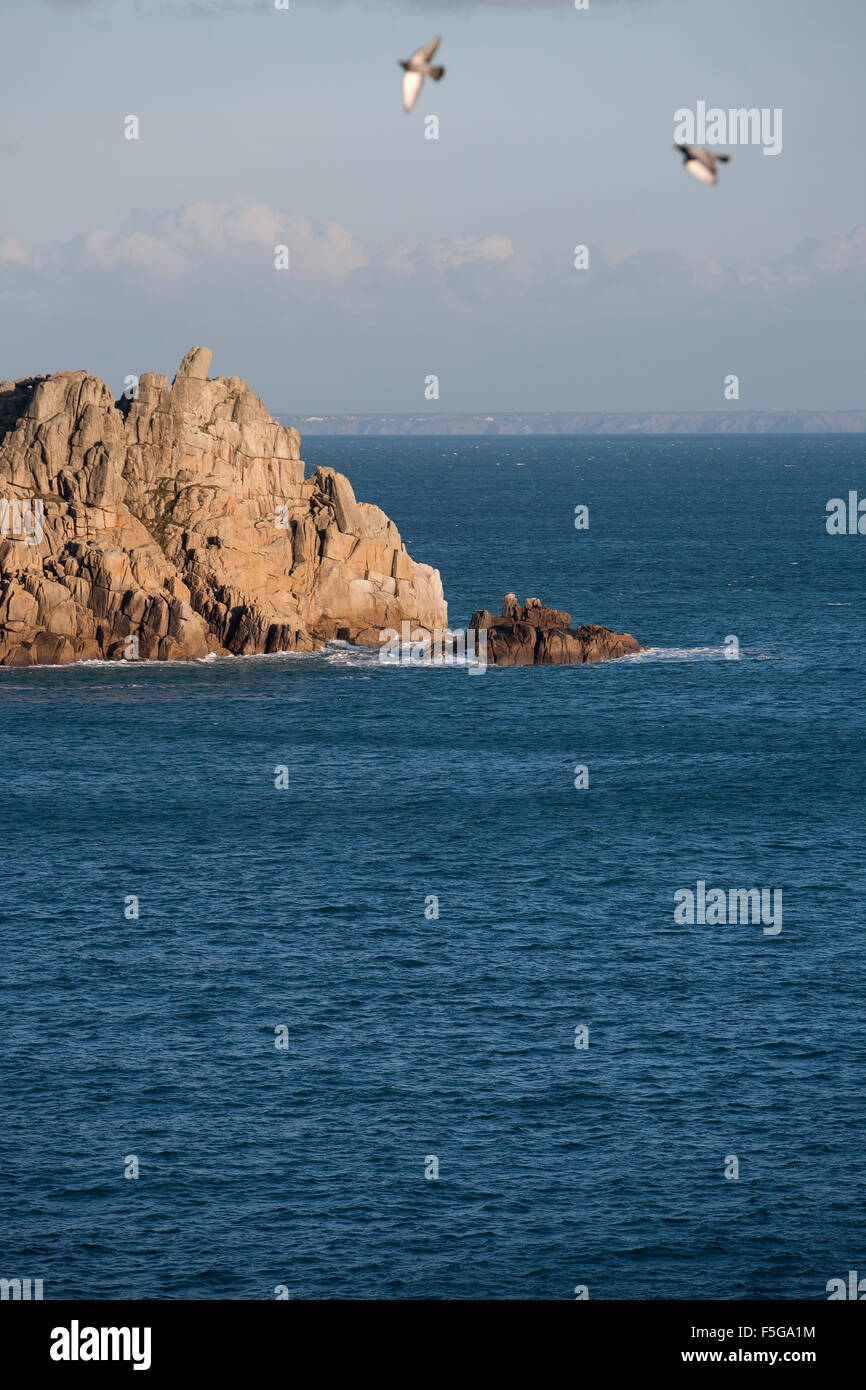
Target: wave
[344,654]
[653,654]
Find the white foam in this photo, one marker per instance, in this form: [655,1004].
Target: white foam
[652,654]
[345,654]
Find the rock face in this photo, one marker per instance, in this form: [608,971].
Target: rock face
[537,636]
[180,523]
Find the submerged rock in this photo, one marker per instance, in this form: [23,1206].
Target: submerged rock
[181,523]
[534,635]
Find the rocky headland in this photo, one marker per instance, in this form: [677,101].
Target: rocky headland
[533,635]
[180,523]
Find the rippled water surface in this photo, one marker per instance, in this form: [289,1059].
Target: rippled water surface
[413,1036]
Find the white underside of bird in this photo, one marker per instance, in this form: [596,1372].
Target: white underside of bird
[416,69]
[700,171]
[412,84]
[701,163]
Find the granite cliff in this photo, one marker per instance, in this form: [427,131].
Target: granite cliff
[180,523]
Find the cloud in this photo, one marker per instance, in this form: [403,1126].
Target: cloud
[463,250]
[410,259]
[184,242]
[837,260]
[244,233]
[837,264]
[98,250]
[332,254]
[466,277]
[221,228]
[238,237]
[357,326]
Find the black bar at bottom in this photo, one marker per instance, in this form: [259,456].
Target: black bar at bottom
[167,1338]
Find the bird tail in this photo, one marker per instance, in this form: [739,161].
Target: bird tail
[436,73]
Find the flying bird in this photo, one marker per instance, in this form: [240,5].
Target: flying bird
[701,163]
[415,69]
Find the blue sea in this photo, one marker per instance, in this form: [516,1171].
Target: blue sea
[309,914]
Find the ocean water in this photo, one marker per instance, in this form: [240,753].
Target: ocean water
[413,1036]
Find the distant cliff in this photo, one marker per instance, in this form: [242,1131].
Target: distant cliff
[180,523]
[647,422]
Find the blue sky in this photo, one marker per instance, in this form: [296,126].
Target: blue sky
[409,256]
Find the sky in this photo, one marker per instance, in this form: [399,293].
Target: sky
[453,257]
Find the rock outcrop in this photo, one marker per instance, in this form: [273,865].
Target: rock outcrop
[181,523]
[533,635]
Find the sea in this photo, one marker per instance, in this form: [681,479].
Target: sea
[325,978]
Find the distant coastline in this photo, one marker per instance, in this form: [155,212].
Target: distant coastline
[587,422]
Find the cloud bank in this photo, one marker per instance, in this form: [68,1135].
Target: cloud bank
[354,325]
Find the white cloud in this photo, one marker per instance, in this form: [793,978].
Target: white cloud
[233,241]
[99,250]
[463,250]
[331,254]
[409,258]
[219,229]
[185,240]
